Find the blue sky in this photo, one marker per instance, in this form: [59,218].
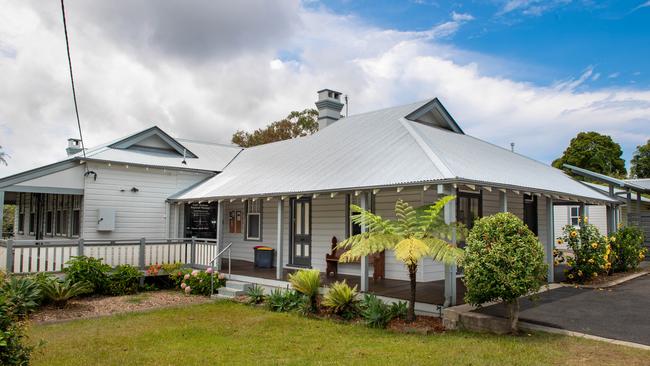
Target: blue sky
[550,40]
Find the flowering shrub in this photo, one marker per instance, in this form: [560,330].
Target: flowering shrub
[590,252]
[195,281]
[627,248]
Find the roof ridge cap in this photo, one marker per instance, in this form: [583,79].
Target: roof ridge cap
[433,157]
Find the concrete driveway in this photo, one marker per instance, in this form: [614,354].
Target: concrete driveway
[621,312]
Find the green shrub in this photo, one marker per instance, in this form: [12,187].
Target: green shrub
[88,269]
[14,349]
[255,295]
[341,299]
[307,282]
[59,292]
[124,280]
[627,249]
[283,301]
[22,294]
[399,309]
[590,252]
[375,312]
[503,261]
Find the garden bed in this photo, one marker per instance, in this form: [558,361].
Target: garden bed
[613,279]
[96,306]
[421,325]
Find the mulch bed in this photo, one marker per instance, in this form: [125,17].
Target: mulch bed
[96,306]
[421,325]
[604,281]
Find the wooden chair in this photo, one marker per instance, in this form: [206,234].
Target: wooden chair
[378,262]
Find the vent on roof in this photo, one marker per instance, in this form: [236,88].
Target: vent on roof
[329,107]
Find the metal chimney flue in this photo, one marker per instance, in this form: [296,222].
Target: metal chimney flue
[329,107]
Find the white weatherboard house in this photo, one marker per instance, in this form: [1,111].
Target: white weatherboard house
[294,195]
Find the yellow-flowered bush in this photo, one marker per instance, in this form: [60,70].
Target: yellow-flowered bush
[627,248]
[590,252]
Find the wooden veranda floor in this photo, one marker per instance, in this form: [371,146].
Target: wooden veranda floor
[427,292]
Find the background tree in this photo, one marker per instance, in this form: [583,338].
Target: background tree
[640,163]
[3,156]
[296,124]
[503,261]
[414,235]
[595,152]
[8,219]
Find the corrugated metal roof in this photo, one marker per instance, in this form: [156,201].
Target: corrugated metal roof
[213,157]
[210,157]
[645,183]
[378,149]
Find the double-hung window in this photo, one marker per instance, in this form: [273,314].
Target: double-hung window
[574,215]
[254,220]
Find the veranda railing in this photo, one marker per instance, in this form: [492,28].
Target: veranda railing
[50,255]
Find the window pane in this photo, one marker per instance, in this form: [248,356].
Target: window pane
[253,226]
[76,218]
[306,231]
[298,218]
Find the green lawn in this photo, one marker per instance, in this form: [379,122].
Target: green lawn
[224,332]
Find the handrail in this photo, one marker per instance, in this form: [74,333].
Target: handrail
[211,264]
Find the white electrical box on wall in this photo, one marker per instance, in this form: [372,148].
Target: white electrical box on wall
[105,219]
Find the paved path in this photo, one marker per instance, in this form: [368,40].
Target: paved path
[621,312]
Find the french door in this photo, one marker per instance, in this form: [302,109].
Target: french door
[301,232]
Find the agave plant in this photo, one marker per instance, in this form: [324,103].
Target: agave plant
[60,292]
[307,282]
[342,300]
[414,235]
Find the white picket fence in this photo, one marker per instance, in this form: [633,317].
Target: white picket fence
[33,256]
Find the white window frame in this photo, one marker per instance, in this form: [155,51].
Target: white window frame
[572,216]
[253,208]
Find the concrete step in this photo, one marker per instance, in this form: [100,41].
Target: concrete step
[238,285]
[229,293]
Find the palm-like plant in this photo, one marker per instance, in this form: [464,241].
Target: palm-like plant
[60,292]
[414,235]
[307,282]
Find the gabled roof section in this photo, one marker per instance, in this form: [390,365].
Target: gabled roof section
[435,114]
[153,138]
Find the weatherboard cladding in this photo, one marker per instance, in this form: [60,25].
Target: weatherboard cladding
[379,149]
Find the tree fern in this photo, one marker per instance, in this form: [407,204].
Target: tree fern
[415,234]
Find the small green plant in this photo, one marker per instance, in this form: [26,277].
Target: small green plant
[283,301]
[124,280]
[255,294]
[375,312]
[399,310]
[307,282]
[627,249]
[341,299]
[88,269]
[22,294]
[59,292]
[171,267]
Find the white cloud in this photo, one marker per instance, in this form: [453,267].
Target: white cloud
[531,7]
[125,85]
[460,17]
[614,75]
[642,5]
